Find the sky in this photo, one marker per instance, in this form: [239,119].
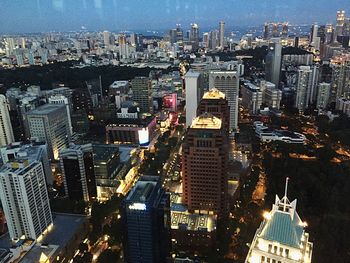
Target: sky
[29,16]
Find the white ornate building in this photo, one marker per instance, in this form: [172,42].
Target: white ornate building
[281,237]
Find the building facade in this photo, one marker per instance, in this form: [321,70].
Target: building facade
[142,93]
[6,132]
[193,95]
[24,199]
[146,218]
[204,165]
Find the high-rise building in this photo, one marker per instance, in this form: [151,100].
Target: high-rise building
[273,63]
[281,237]
[6,132]
[215,103]
[213,39]
[106,38]
[340,76]
[24,199]
[252,97]
[340,24]
[204,165]
[194,35]
[142,93]
[228,83]
[271,95]
[146,218]
[77,167]
[303,89]
[221,34]
[323,95]
[285,29]
[60,99]
[49,123]
[193,95]
[36,151]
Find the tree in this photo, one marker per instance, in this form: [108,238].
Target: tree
[108,256]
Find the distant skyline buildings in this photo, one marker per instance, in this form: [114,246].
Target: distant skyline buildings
[67,15]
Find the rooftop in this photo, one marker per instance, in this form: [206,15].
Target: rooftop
[214,94]
[192,74]
[141,191]
[206,121]
[104,152]
[46,109]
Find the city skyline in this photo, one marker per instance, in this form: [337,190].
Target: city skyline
[114,15]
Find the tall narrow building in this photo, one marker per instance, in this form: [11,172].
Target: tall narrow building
[228,83]
[204,165]
[49,123]
[221,34]
[146,219]
[303,90]
[24,199]
[60,99]
[142,93]
[77,167]
[281,237]
[273,63]
[193,95]
[6,132]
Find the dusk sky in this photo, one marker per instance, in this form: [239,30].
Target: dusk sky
[24,16]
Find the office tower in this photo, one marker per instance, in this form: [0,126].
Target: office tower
[328,34]
[296,42]
[60,99]
[19,59]
[106,166]
[266,31]
[77,167]
[123,47]
[205,40]
[252,97]
[6,132]
[142,93]
[106,38]
[273,63]
[315,40]
[193,95]
[172,36]
[146,218]
[323,95]
[32,150]
[213,39]
[49,123]
[228,83]
[221,34]
[271,95]
[215,103]
[346,27]
[275,32]
[285,29]
[204,165]
[24,199]
[339,26]
[179,33]
[281,237]
[303,87]
[194,35]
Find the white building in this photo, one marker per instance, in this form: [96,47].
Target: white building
[323,95]
[281,237]
[271,95]
[6,132]
[303,90]
[193,95]
[228,83]
[24,199]
[252,97]
[60,99]
[49,123]
[343,104]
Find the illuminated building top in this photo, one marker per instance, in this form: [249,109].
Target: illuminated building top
[214,94]
[206,121]
[281,236]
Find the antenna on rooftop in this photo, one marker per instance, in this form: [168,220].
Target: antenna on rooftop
[285,195]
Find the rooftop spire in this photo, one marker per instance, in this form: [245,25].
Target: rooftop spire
[285,195]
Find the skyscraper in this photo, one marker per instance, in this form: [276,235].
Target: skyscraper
[6,132]
[194,35]
[281,237]
[77,167]
[221,34]
[303,90]
[340,24]
[60,99]
[228,83]
[323,95]
[24,199]
[193,95]
[215,103]
[146,218]
[273,63]
[106,38]
[204,165]
[142,93]
[49,123]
